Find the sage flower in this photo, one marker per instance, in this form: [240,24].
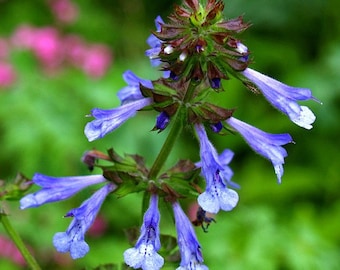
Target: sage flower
[217,195]
[57,188]
[266,144]
[132,92]
[284,97]
[189,247]
[108,120]
[83,217]
[144,255]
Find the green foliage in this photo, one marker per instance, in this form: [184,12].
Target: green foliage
[294,225]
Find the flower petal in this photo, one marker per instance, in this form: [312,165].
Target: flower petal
[144,255]
[189,247]
[284,97]
[265,144]
[57,188]
[132,92]
[217,174]
[108,120]
[83,217]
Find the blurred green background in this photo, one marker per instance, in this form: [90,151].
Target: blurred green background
[295,225]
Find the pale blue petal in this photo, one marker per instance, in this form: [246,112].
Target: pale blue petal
[132,92]
[265,144]
[79,249]
[83,217]
[189,247]
[208,202]
[228,199]
[144,257]
[62,242]
[108,120]
[217,174]
[57,188]
[155,44]
[284,97]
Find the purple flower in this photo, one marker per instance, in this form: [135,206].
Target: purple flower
[108,120]
[132,92]
[144,255]
[83,217]
[243,49]
[155,44]
[215,83]
[284,97]
[57,188]
[216,127]
[265,144]
[162,121]
[189,247]
[217,175]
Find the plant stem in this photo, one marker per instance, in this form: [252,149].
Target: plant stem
[32,263]
[176,129]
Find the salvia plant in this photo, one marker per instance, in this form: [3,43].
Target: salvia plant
[196,49]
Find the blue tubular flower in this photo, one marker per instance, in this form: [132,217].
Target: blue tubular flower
[217,175]
[265,144]
[132,92]
[57,188]
[189,247]
[162,121]
[226,173]
[144,255]
[73,239]
[155,44]
[284,97]
[216,127]
[108,120]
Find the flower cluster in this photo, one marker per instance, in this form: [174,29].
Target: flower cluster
[196,49]
[52,48]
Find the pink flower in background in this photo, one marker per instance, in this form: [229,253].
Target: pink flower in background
[46,43]
[97,60]
[8,250]
[48,47]
[75,49]
[52,49]
[23,37]
[64,10]
[4,48]
[98,227]
[93,59]
[7,74]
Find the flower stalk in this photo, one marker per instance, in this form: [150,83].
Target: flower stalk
[30,260]
[175,131]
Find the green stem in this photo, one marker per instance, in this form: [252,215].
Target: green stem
[18,242]
[176,129]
